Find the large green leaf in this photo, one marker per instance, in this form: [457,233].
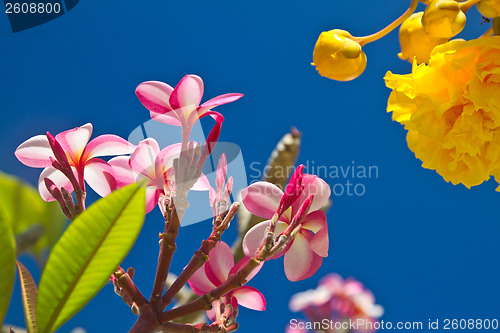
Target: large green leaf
[7,263]
[29,214]
[92,247]
[28,291]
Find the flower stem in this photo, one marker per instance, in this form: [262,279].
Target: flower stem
[466,5]
[200,256]
[167,249]
[373,37]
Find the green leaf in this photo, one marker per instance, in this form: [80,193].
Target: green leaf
[90,250]
[28,291]
[7,263]
[33,220]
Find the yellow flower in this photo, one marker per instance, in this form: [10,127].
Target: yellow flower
[489,8]
[415,42]
[451,109]
[337,56]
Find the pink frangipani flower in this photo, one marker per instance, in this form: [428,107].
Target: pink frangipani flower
[217,270]
[153,165]
[180,106]
[220,196]
[81,154]
[305,253]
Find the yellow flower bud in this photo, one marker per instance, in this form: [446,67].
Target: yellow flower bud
[443,19]
[337,56]
[489,8]
[415,42]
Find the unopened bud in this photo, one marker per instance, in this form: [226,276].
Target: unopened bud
[415,42]
[443,19]
[338,57]
[489,8]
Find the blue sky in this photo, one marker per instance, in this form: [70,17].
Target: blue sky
[427,249]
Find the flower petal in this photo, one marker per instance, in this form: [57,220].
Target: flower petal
[168,154]
[242,263]
[300,260]
[99,176]
[152,196]
[220,263]
[254,237]
[250,298]
[316,222]
[124,175]
[202,184]
[143,158]
[57,177]
[74,141]
[166,118]
[35,152]
[107,145]
[155,95]
[216,101]
[313,185]
[262,199]
[200,283]
[188,92]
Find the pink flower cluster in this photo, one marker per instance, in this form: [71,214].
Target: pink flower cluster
[337,300]
[69,159]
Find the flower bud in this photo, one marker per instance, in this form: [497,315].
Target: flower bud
[338,57]
[489,8]
[415,42]
[443,19]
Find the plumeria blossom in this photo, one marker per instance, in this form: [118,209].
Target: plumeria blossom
[154,166]
[74,147]
[217,270]
[305,253]
[180,106]
[336,300]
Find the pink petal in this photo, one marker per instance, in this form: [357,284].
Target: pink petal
[242,263]
[262,199]
[313,185]
[99,176]
[122,171]
[300,260]
[35,152]
[214,114]
[108,145]
[250,298]
[154,95]
[316,222]
[57,177]
[144,156]
[168,154]
[298,327]
[202,184]
[220,263]
[166,118]
[254,237]
[152,196]
[74,141]
[216,101]
[211,314]
[188,92]
[200,283]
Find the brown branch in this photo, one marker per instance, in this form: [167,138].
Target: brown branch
[201,256]
[167,249]
[205,302]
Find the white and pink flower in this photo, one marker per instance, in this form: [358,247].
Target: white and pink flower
[305,253]
[217,270]
[155,167]
[74,146]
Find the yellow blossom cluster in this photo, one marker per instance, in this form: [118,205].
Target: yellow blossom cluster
[451,109]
